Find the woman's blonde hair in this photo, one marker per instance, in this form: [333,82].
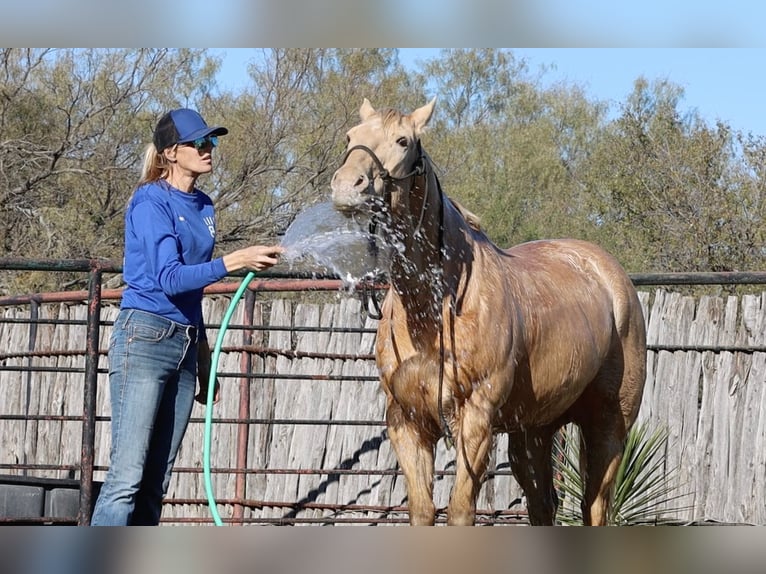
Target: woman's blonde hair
[156,166]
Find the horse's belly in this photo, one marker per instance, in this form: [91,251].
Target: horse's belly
[516,379]
[546,387]
[414,388]
[522,410]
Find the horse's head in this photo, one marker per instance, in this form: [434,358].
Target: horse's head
[382,153]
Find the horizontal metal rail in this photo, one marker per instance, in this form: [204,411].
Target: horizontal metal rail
[267,282]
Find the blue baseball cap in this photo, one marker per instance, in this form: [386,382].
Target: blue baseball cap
[182,126]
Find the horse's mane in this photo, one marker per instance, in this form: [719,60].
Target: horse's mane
[390,116]
[473,220]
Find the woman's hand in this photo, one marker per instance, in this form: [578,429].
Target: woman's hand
[203,374]
[254,258]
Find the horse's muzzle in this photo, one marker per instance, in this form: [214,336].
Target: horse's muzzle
[359,204]
[347,198]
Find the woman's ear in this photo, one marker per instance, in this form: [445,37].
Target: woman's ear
[170,153]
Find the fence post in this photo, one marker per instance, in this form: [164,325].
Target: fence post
[243,430]
[34,315]
[89,396]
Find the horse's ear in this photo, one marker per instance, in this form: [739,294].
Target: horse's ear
[422,115]
[366,110]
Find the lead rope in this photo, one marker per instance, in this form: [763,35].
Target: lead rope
[448,438]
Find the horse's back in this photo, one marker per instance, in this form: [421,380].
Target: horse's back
[573,270]
[571,264]
[573,252]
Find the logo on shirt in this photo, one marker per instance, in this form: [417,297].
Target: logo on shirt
[210,222]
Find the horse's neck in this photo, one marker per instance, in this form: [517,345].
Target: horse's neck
[416,222]
[417,269]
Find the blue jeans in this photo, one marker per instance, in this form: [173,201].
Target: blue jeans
[152,381]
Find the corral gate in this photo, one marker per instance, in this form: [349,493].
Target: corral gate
[299,434]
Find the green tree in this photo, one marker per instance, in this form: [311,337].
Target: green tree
[74,123]
[656,186]
[289,131]
[508,148]
[662,187]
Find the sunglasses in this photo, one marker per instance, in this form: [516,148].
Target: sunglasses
[202,143]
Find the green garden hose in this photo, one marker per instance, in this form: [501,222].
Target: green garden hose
[211,395]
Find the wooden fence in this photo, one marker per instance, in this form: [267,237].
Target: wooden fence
[298,436]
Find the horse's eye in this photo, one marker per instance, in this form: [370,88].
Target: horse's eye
[402,141]
[348,140]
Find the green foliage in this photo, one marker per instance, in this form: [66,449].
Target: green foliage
[664,191]
[74,123]
[653,183]
[511,149]
[643,491]
[290,131]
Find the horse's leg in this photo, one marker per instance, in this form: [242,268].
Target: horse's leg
[415,452]
[611,405]
[529,453]
[474,438]
[603,445]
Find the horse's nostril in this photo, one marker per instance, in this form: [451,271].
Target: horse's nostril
[361,181]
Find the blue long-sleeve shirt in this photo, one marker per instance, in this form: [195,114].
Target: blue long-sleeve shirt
[169,241]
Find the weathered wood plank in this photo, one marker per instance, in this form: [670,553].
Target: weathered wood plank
[713,404]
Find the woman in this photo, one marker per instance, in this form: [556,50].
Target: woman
[159,346]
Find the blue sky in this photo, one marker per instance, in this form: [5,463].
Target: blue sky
[533,23]
[720,83]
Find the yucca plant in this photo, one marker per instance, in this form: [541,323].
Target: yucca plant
[642,489]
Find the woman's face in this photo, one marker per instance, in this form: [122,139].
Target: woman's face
[193,158]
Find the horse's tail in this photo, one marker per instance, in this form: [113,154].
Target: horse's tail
[628,308]
[628,314]
[631,332]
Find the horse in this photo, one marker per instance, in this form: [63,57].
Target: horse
[475,340]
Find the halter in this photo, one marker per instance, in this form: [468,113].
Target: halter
[418,168]
[385,175]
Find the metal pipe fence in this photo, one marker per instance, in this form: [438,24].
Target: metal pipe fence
[268,282]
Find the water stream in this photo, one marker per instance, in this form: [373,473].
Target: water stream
[323,240]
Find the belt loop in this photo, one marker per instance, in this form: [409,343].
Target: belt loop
[127,316]
[172,328]
[189,330]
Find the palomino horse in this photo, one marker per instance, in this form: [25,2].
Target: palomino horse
[474,339]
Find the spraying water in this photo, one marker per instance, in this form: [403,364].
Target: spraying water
[322,239]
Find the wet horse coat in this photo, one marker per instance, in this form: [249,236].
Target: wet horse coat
[474,339]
